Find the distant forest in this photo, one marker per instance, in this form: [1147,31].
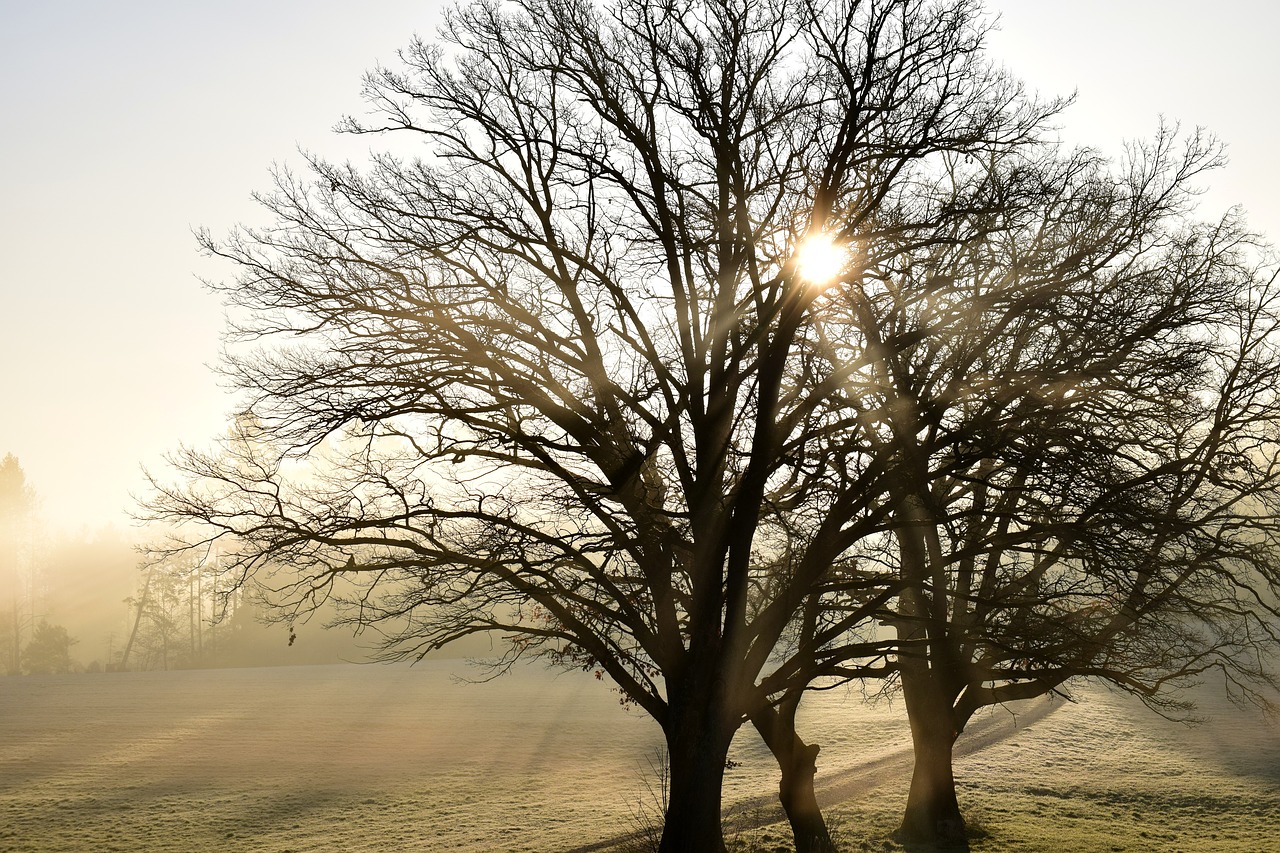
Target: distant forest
[85,602]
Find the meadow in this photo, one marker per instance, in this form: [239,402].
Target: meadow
[1099,774]
[373,758]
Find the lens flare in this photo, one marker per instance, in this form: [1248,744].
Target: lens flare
[820,259]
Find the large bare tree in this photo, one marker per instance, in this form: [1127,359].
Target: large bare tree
[1079,413]
[562,374]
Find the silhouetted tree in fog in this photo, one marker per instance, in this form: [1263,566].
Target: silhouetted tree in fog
[565,377]
[17,502]
[1079,413]
[49,651]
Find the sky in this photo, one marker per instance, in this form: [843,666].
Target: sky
[129,123]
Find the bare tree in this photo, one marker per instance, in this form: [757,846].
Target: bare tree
[1080,415]
[561,377]
[17,505]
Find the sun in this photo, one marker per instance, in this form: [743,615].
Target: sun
[820,259]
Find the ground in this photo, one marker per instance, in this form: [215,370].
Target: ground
[371,758]
[1104,774]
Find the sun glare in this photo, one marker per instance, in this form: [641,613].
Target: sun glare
[820,259]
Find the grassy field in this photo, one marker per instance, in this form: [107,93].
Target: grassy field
[1103,774]
[293,759]
[369,759]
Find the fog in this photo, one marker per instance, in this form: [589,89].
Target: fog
[136,122]
[154,709]
[92,584]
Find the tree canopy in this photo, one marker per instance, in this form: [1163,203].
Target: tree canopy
[1081,425]
[695,340]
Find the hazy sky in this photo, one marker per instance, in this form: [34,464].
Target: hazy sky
[128,123]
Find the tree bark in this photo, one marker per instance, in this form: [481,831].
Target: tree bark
[697,758]
[932,820]
[797,761]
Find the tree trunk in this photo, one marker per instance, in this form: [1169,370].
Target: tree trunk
[932,820]
[797,761]
[795,790]
[927,663]
[15,667]
[137,620]
[191,619]
[697,753]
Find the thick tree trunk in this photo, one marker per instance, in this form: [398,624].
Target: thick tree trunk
[697,757]
[795,790]
[797,761]
[928,663]
[932,820]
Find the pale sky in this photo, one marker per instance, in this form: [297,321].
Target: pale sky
[126,123]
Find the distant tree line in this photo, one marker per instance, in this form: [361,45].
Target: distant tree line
[30,644]
[181,619]
[17,546]
[84,603]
